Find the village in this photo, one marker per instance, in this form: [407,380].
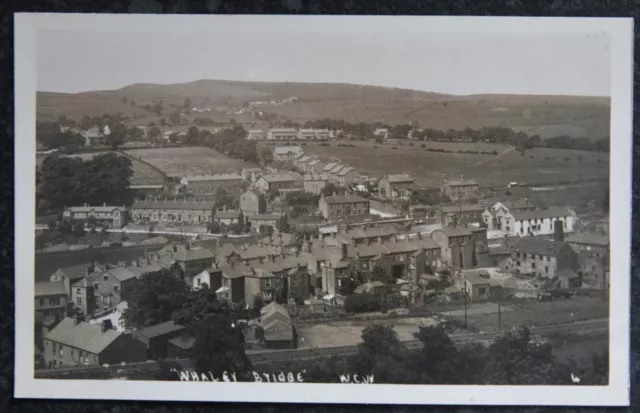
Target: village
[304,245]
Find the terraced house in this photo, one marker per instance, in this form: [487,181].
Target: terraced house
[282,134]
[109,216]
[537,222]
[462,189]
[342,206]
[212,183]
[51,299]
[271,182]
[452,215]
[188,211]
[542,257]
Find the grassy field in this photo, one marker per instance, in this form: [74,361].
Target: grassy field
[178,162]
[538,314]
[540,165]
[143,174]
[543,115]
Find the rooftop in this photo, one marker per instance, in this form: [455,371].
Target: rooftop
[50,288]
[213,177]
[540,246]
[181,252]
[455,232]
[397,178]
[84,336]
[190,205]
[185,342]
[344,199]
[588,238]
[283,150]
[463,182]
[230,214]
[553,212]
[160,329]
[88,208]
[462,208]
[281,177]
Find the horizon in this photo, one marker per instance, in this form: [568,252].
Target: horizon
[319,83]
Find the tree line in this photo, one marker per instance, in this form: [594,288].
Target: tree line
[64,181]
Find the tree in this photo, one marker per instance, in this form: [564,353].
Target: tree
[162,122]
[330,189]
[153,298]
[117,136]
[266,156]
[258,302]
[154,133]
[379,274]
[359,303]
[158,108]
[175,118]
[78,228]
[41,240]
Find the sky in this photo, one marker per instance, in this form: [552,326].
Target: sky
[454,63]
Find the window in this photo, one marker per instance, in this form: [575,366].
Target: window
[105,278]
[105,299]
[546,269]
[482,290]
[79,300]
[267,283]
[78,290]
[548,259]
[41,302]
[533,265]
[116,288]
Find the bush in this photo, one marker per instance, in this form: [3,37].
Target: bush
[359,303]
[423,146]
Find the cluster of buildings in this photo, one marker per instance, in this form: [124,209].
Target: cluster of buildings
[288,134]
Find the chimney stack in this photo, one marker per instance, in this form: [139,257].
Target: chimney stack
[558,232]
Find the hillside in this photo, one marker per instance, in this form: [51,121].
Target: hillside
[544,115]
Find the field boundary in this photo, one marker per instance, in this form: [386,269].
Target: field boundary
[155,168]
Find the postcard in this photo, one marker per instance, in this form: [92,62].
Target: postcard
[323,209]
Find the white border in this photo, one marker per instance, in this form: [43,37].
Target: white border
[620,32]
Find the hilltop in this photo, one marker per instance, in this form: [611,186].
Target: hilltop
[537,114]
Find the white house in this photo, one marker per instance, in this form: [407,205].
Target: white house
[282,134]
[540,222]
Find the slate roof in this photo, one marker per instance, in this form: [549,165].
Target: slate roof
[84,336]
[540,246]
[336,168]
[160,329]
[183,342]
[283,150]
[399,247]
[553,212]
[588,238]
[465,182]
[264,217]
[213,177]
[328,167]
[183,253]
[280,178]
[50,288]
[397,178]
[88,208]
[345,171]
[344,199]
[455,232]
[227,214]
[234,271]
[187,205]
[462,208]
[76,272]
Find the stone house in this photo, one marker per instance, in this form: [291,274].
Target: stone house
[342,206]
[395,186]
[463,189]
[190,212]
[315,184]
[454,215]
[252,202]
[109,216]
[270,182]
[538,222]
[51,299]
[541,257]
[212,183]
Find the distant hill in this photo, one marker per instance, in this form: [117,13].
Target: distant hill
[544,115]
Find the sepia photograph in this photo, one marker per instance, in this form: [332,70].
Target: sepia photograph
[305,203]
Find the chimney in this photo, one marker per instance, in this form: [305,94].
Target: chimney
[345,252]
[106,325]
[558,233]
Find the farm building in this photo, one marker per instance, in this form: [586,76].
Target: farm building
[212,183]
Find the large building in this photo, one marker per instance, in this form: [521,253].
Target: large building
[395,186]
[536,222]
[255,135]
[463,189]
[282,134]
[314,184]
[541,257]
[452,215]
[51,299]
[343,206]
[462,248]
[109,216]
[76,343]
[212,183]
[187,211]
[286,153]
[272,182]
[252,202]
